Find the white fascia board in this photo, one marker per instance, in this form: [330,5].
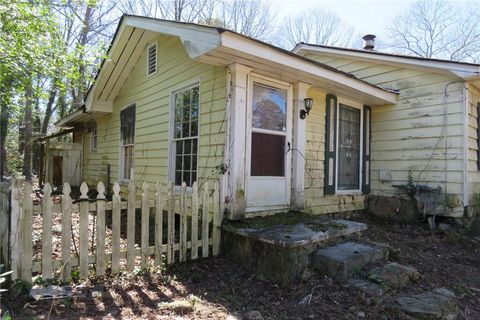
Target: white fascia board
[463,71]
[236,42]
[97,106]
[88,98]
[101,106]
[196,40]
[63,122]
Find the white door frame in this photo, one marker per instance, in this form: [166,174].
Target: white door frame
[359,106]
[288,140]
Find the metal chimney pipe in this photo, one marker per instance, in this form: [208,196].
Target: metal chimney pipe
[369,42]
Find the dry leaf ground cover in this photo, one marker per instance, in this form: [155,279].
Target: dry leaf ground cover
[215,288]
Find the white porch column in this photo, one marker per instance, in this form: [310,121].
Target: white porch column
[237,136]
[298,146]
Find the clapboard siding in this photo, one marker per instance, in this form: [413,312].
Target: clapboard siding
[408,136]
[473,172]
[315,200]
[152,96]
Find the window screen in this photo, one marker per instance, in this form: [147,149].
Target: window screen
[349,148]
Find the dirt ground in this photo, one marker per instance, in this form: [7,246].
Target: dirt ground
[215,288]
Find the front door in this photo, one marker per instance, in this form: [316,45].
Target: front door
[268,146]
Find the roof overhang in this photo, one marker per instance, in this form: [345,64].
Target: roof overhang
[274,62]
[466,71]
[78,118]
[132,36]
[219,47]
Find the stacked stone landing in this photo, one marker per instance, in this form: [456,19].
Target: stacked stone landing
[333,248]
[284,253]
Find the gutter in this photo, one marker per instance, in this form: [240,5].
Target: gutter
[62,122]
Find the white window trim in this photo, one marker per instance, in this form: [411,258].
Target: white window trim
[121,162]
[153,44]
[94,137]
[172,147]
[359,106]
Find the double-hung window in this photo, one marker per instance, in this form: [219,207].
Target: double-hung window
[127,142]
[186,110]
[347,152]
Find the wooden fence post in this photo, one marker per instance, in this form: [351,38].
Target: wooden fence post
[171,224]
[26,236]
[158,225]
[16,229]
[205,220]
[66,233]
[4,225]
[194,221]
[47,233]
[183,223]
[144,226]
[83,232]
[116,215]
[131,226]
[100,249]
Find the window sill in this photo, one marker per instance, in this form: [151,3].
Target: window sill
[348,192]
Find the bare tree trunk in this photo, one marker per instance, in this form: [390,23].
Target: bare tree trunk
[36,124]
[62,105]
[27,150]
[43,130]
[49,109]
[4,118]
[81,45]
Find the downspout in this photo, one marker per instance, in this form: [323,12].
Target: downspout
[445,137]
[466,108]
[226,188]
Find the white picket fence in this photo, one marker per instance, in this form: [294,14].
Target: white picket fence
[187,205]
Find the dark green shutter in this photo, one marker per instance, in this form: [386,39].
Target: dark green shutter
[367,137]
[330,144]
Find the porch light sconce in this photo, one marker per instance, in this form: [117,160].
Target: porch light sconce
[308,106]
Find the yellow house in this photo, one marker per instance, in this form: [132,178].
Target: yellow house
[307,130]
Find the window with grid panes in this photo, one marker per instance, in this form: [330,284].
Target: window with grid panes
[185,135]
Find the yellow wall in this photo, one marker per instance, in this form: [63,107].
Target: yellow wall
[408,137]
[152,98]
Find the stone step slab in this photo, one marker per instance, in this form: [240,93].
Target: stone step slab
[438,304]
[342,260]
[368,291]
[393,275]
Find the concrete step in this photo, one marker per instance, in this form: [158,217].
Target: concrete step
[367,290]
[342,260]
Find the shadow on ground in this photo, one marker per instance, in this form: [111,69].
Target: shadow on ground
[214,288]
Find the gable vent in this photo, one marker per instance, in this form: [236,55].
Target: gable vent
[152,59]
